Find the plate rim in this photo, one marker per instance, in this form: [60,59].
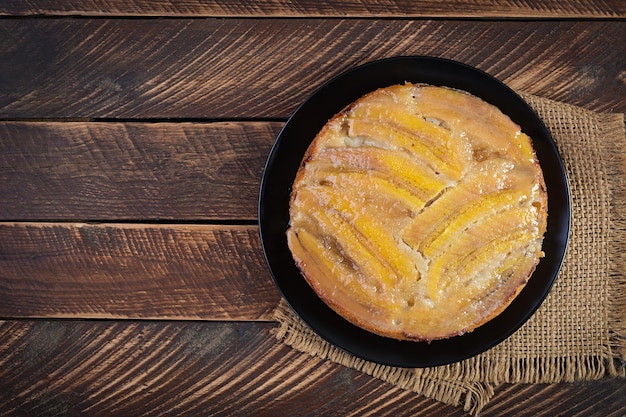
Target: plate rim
[407,63]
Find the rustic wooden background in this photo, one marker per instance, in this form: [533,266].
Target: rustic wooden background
[132,139]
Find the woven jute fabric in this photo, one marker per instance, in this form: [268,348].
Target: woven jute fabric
[579,332]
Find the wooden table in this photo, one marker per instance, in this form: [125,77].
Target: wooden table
[132,140]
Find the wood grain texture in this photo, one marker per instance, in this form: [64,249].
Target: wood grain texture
[134,271]
[132,280]
[103,368]
[311,8]
[127,171]
[120,368]
[264,68]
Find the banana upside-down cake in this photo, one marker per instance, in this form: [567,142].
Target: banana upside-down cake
[418,212]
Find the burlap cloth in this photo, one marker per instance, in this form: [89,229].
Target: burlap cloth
[579,332]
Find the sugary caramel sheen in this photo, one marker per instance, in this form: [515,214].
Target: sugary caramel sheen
[418,212]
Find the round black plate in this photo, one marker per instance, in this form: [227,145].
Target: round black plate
[283,163]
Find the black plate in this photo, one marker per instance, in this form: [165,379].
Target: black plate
[283,163]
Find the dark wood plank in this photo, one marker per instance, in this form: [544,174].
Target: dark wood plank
[148,368]
[264,68]
[134,271]
[591,398]
[103,368]
[363,8]
[147,171]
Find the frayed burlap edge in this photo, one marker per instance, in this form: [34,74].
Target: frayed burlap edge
[612,143]
[469,384]
[472,396]
[611,125]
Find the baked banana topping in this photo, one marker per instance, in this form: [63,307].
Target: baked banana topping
[418,212]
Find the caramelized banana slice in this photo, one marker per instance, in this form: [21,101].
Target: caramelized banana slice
[371,234]
[376,193]
[488,129]
[481,235]
[436,157]
[394,166]
[346,239]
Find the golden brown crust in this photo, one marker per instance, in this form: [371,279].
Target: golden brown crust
[418,212]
